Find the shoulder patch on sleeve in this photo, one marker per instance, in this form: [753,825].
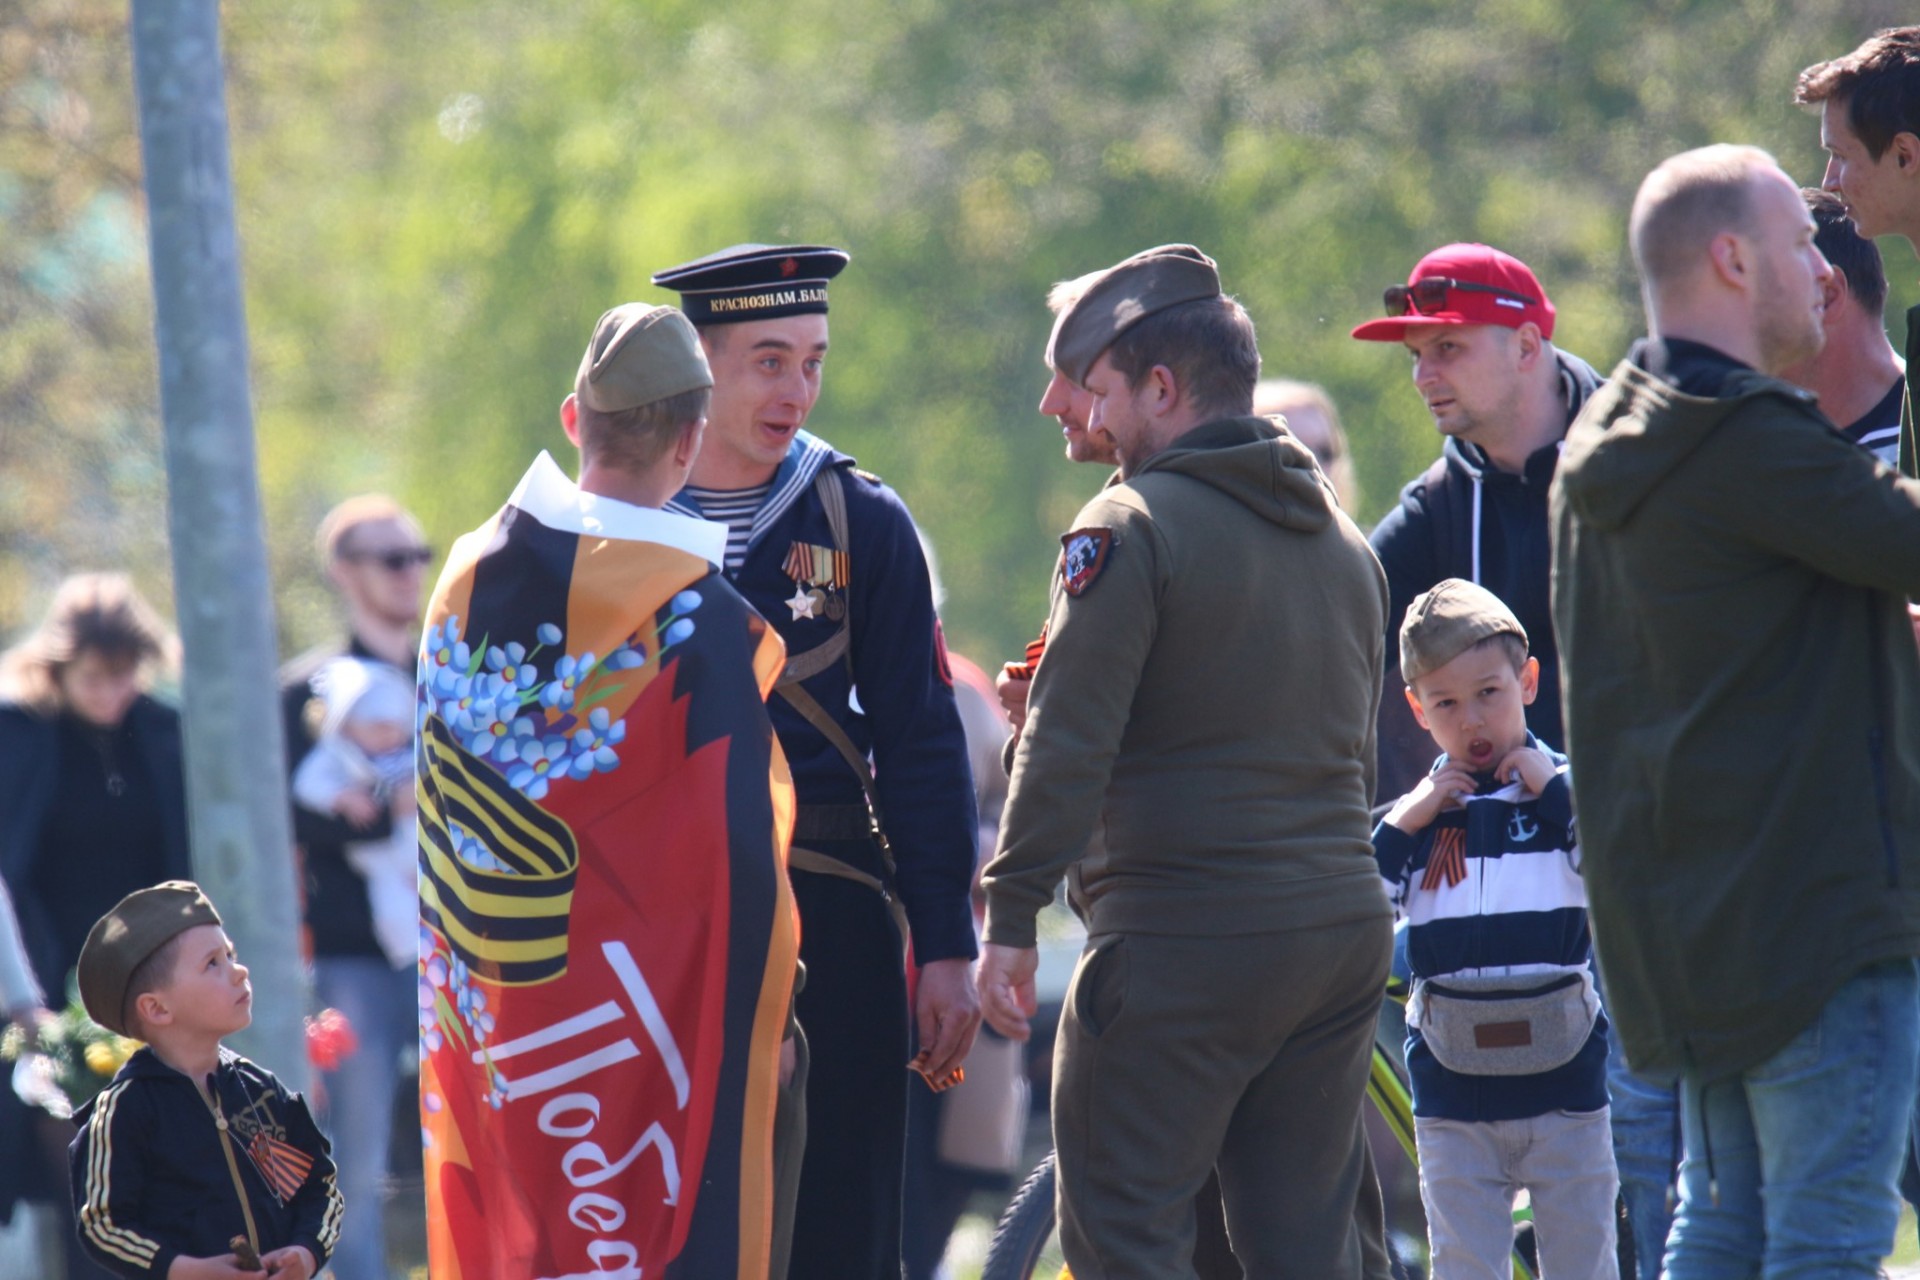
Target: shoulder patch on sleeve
[1083,556]
[868,476]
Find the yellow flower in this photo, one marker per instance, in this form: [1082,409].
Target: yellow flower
[100,1058]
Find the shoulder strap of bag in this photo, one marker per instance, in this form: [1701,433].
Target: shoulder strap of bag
[833,500]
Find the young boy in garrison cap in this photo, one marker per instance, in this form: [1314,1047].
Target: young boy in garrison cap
[885,834]
[1506,1044]
[194,1162]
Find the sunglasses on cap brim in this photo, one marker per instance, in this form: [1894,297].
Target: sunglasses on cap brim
[1429,295]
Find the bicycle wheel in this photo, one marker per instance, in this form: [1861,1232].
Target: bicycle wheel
[1025,1244]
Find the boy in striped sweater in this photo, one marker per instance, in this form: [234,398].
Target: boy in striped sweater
[1506,1044]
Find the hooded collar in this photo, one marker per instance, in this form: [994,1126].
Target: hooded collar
[1642,427]
[1693,368]
[1257,465]
[1578,381]
[806,457]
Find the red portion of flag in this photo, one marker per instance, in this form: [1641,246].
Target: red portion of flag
[609,1070]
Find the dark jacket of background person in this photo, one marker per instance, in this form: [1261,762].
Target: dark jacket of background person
[59,893]
[1909,419]
[1431,535]
[337,912]
[1234,804]
[1743,704]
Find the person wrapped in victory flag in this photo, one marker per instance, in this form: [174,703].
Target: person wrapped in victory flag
[608,942]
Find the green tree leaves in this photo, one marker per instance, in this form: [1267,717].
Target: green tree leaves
[436,201]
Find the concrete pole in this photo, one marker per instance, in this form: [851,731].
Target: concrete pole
[236,783]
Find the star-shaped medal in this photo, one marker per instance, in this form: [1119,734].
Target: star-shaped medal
[802,603]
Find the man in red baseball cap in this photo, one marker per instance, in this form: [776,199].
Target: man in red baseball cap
[1479,326]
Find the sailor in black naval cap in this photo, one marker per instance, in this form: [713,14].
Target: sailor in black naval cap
[884,840]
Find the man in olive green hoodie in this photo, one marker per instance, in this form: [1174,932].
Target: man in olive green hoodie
[1208,694]
[1743,713]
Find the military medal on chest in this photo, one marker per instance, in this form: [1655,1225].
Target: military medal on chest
[820,576]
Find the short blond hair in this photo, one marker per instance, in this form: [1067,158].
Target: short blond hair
[635,439]
[361,509]
[1276,396]
[1067,292]
[1685,202]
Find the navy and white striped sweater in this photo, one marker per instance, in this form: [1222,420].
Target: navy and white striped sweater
[1521,908]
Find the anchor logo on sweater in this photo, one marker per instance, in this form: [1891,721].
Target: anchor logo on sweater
[1521,828]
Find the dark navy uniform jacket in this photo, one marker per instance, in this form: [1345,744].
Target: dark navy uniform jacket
[897,706]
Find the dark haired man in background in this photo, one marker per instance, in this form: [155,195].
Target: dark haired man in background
[1857,375]
[1870,126]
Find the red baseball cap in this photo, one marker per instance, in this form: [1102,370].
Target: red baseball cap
[1498,289]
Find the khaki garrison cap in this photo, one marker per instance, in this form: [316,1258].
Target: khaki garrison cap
[1123,296]
[1447,621]
[640,354]
[139,925]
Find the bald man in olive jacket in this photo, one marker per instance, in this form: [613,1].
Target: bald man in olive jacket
[1212,674]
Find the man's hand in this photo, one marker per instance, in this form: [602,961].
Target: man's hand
[224,1267]
[291,1263]
[789,1061]
[1006,988]
[1013,692]
[948,1012]
[1527,766]
[1437,792]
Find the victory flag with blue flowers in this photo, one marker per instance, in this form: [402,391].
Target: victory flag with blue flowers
[608,943]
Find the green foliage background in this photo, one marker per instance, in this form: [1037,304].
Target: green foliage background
[437,200]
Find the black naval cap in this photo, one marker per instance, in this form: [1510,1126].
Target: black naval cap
[754,282]
[1124,295]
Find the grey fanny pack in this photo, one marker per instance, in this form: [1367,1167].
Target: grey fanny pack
[1492,1026]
